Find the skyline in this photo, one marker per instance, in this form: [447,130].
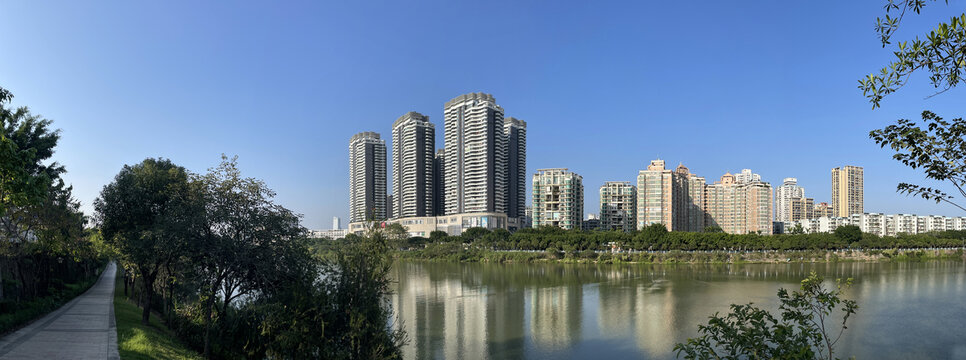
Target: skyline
[286,87]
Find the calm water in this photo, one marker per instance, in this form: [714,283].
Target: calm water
[554,311]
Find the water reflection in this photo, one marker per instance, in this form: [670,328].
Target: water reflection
[501,311]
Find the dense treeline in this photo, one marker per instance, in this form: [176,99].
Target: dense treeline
[657,238]
[46,254]
[231,273]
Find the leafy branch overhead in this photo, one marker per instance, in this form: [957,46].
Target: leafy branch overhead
[942,53]
[939,149]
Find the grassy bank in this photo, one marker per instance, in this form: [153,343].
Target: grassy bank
[14,315]
[451,252]
[137,341]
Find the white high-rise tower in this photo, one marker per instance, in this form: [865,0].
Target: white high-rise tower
[367,177]
[476,155]
[413,155]
[784,194]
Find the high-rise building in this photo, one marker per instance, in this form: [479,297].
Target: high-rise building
[746,176]
[694,201]
[655,199]
[515,131]
[439,183]
[476,155]
[739,208]
[784,194]
[618,206]
[847,191]
[336,223]
[558,198]
[670,198]
[413,147]
[367,177]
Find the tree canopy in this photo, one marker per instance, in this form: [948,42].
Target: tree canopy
[941,52]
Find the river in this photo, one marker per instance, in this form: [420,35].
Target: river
[907,310]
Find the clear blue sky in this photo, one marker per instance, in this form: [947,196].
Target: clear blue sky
[604,86]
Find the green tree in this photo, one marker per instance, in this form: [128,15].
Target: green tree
[848,233]
[438,236]
[941,53]
[806,329]
[938,148]
[145,214]
[247,243]
[797,229]
[359,325]
[396,234]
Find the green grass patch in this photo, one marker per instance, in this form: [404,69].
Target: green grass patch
[137,341]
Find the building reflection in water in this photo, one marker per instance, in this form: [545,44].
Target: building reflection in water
[499,311]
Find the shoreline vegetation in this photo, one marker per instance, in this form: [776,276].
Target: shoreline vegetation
[139,341]
[656,245]
[682,257]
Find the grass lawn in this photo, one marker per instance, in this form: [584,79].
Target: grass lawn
[136,341]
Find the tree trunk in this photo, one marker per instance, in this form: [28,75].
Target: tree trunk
[209,303]
[148,294]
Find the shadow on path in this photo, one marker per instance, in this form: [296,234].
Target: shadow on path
[84,328]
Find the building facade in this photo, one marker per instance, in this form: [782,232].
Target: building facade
[784,194]
[439,183]
[476,155]
[413,158]
[746,176]
[847,191]
[367,177]
[673,198]
[558,199]
[515,131]
[618,206]
[739,208]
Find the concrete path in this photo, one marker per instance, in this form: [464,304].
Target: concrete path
[83,328]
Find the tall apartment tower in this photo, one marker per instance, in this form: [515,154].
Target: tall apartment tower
[413,158]
[655,199]
[476,155]
[367,177]
[784,194]
[618,206]
[336,223]
[515,131]
[439,181]
[694,198]
[739,208]
[847,191]
[558,198]
[670,198]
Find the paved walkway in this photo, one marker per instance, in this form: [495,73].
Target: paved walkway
[83,328]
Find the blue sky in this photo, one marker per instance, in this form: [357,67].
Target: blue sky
[604,86]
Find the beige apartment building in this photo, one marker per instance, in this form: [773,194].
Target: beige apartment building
[673,198]
[847,191]
[618,206]
[739,208]
[558,198]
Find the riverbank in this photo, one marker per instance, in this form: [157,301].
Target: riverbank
[458,253]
